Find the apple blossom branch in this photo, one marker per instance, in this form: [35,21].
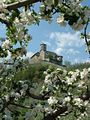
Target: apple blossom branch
[52,116]
[16,5]
[4,21]
[85,36]
[38,97]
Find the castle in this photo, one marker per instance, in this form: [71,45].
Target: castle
[44,55]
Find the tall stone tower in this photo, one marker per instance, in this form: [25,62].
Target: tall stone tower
[43,47]
[42,51]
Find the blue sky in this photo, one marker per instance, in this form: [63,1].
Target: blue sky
[62,40]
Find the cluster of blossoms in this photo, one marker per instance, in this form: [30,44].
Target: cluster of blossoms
[52,100]
[6,44]
[80,22]
[10,1]
[66,89]
[62,89]
[29,17]
[20,32]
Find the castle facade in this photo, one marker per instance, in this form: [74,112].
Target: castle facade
[44,55]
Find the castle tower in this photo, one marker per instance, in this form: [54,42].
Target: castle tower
[43,47]
[42,51]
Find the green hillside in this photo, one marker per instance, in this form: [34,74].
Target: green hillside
[79,66]
[34,71]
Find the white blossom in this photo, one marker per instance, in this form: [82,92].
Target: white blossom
[69,80]
[48,109]
[81,84]
[70,73]
[52,100]
[59,69]
[89,69]
[27,17]
[84,73]
[67,99]
[42,8]
[86,102]
[45,72]
[43,87]
[6,44]
[78,102]
[48,79]
[15,94]
[7,97]
[20,34]
[61,21]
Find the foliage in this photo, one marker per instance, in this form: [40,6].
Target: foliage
[79,66]
[33,72]
[67,63]
[61,91]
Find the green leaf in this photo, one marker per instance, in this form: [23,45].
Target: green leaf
[14,41]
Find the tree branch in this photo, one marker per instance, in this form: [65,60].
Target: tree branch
[54,115]
[4,21]
[86,96]
[38,97]
[22,106]
[85,35]
[64,109]
[16,5]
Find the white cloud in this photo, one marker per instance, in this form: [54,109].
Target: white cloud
[67,39]
[72,51]
[68,51]
[58,50]
[47,43]
[67,42]
[69,45]
[79,60]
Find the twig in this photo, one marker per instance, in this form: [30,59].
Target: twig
[38,97]
[22,106]
[85,35]
[16,5]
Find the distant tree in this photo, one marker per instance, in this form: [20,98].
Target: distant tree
[67,63]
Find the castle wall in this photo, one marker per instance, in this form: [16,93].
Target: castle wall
[47,56]
[35,59]
[42,55]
